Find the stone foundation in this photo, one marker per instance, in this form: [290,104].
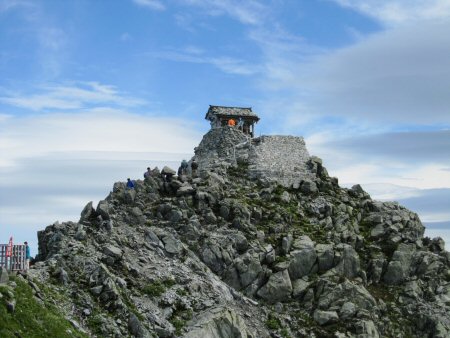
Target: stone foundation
[283,159]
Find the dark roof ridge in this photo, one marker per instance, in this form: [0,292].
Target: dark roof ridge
[211,105]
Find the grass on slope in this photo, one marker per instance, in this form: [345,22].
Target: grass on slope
[31,319]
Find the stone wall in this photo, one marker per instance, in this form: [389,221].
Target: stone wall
[275,158]
[279,158]
[217,147]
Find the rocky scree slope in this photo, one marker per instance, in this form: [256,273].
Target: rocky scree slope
[229,254]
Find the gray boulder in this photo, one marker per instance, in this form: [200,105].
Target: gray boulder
[377,231]
[347,310]
[308,187]
[302,242]
[336,296]
[172,245]
[325,256]
[299,288]
[366,329]
[112,251]
[218,322]
[103,209]
[152,238]
[185,190]
[129,196]
[325,317]
[136,328]
[87,212]
[167,170]
[349,265]
[211,255]
[399,267]
[302,262]
[278,288]
[286,243]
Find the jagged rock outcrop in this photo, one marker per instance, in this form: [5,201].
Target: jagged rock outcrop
[250,248]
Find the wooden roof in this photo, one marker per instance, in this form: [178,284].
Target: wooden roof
[245,113]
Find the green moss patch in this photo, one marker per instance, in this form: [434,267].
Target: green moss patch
[32,319]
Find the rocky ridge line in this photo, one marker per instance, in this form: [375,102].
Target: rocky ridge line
[234,254]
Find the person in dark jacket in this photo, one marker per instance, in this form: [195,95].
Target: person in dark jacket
[183,168]
[27,256]
[130,184]
[148,173]
[194,167]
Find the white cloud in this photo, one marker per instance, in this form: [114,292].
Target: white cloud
[63,97]
[400,11]
[401,75]
[402,159]
[390,192]
[53,164]
[152,4]
[105,131]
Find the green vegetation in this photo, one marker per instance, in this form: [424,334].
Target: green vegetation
[30,318]
[95,323]
[182,292]
[285,333]
[272,322]
[179,317]
[157,288]
[154,289]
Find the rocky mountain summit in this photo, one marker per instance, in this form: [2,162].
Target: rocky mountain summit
[262,243]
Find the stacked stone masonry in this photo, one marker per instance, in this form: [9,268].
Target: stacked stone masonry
[275,158]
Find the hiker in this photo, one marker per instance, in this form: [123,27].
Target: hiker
[130,184]
[194,166]
[246,129]
[183,168]
[148,173]
[231,123]
[27,256]
[240,124]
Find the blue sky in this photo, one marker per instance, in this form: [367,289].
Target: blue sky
[92,92]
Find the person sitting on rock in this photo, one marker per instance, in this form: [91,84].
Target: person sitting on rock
[231,122]
[148,173]
[130,184]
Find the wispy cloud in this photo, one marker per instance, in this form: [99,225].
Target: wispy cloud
[151,4]
[36,27]
[66,97]
[226,64]
[249,12]
[124,37]
[418,147]
[395,12]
